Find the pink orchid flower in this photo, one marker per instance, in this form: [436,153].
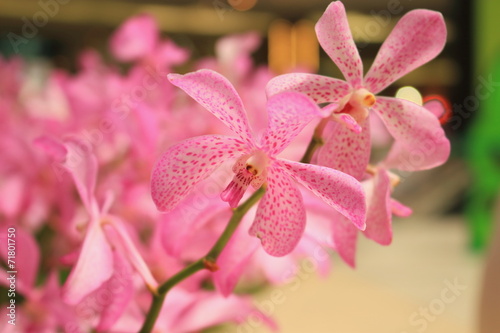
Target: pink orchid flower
[418,37]
[105,236]
[280,219]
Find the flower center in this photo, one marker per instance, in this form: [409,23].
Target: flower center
[249,170]
[356,106]
[363,97]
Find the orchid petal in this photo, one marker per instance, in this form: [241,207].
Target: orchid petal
[281,217]
[233,261]
[214,92]
[417,38]
[379,217]
[82,164]
[345,150]
[347,121]
[135,39]
[128,248]
[231,309]
[399,209]
[420,141]
[76,157]
[334,35]
[85,278]
[188,220]
[121,288]
[435,107]
[56,150]
[322,89]
[167,53]
[234,53]
[289,113]
[344,238]
[184,165]
[12,192]
[337,189]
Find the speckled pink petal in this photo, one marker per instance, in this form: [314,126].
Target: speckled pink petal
[135,39]
[379,215]
[345,150]
[281,217]
[214,92]
[345,236]
[85,277]
[420,141]
[337,189]
[187,163]
[418,38]
[322,89]
[335,37]
[288,114]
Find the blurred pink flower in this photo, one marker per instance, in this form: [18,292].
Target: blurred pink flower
[101,254]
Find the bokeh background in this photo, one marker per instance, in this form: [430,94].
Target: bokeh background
[448,240]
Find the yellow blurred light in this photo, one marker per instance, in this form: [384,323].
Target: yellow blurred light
[292,46]
[410,94]
[280,47]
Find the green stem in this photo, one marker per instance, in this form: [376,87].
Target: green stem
[316,141]
[208,261]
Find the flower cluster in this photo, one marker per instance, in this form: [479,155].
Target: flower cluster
[80,165]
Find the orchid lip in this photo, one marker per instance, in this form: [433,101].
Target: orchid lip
[249,170]
[257,163]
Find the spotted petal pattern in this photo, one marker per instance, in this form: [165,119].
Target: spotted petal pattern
[337,189]
[420,141]
[322,89]
[418,37]
[345,150]
[289,113]
[334,35]
[218,96]
[184,165]
[281,217]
